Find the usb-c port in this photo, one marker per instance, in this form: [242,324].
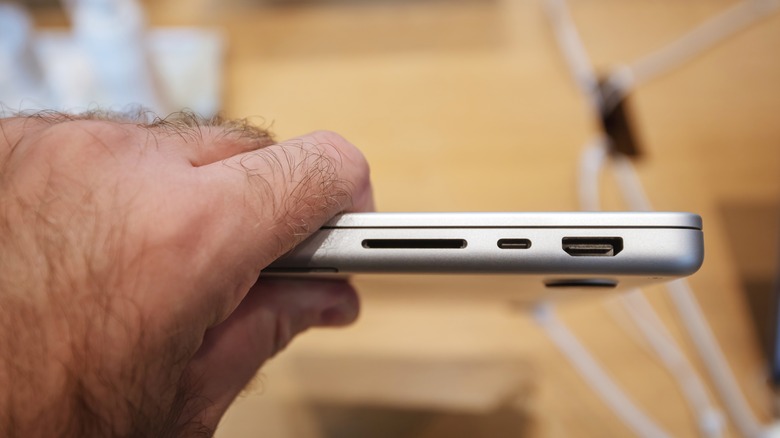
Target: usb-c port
[592,246]
[514,243]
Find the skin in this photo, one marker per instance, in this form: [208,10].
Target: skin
[129,260]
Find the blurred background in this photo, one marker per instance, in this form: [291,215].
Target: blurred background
[463,105]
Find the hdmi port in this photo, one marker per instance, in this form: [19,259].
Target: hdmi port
[592,246]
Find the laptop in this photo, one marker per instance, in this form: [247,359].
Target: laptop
[552,250]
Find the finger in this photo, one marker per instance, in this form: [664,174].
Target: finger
[266,201]
[276,196]
[269,317]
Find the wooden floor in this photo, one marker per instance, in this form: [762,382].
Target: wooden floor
[467,105]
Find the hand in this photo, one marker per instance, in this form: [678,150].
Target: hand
[129,259]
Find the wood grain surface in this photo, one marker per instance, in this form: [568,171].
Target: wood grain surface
[467,106]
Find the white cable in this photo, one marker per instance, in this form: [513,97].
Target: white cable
[698,40]
[596,377]
[621,81]
[590,168]
[594,155]
[710,421]
[593,159]
[714,361]
[694,321]
[630,186]
[574,51]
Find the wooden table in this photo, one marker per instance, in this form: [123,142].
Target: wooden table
[467,105]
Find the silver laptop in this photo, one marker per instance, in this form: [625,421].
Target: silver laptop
[554,250]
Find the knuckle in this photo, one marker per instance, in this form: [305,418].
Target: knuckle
[82,138]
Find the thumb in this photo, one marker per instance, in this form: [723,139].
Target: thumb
[273,312]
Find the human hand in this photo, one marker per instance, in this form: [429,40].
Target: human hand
[129,258]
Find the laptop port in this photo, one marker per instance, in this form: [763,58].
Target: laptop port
[594,283]
[514,243]
[414,243]
[592,246]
